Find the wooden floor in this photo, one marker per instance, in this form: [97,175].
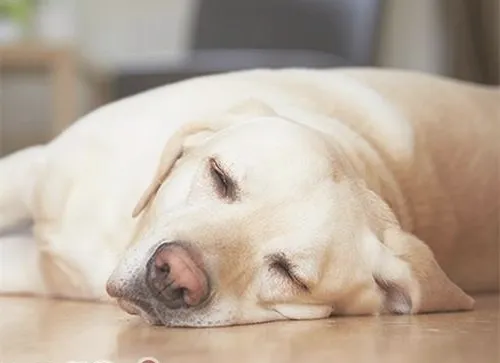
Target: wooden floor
[43,331]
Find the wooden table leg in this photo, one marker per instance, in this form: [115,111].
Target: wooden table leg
[65,93]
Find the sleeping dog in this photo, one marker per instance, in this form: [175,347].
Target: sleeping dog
[264,195]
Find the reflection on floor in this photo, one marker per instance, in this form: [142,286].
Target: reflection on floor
[44,331]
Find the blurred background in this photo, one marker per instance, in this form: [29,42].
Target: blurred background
[59,59]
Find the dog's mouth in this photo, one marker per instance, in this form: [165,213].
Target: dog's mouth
[142,309]
[152,314]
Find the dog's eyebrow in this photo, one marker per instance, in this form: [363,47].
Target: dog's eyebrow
[280,263]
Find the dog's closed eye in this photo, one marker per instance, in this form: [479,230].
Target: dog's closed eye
[224,185]
[281,264]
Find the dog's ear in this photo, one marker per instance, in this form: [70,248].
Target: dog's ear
[194,134]
[404,267]
[176,146]
[412,280]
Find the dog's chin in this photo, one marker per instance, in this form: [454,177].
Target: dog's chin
[141,309]
[150,319]
[157,319]
[194,322]
[154,315]
[148,314]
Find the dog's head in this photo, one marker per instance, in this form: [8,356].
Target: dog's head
[254,218]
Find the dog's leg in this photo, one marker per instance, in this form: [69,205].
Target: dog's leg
[20,266]
[18,177]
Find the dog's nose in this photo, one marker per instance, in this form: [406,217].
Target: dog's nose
[176,277]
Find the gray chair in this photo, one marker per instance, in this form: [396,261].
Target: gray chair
[280,31]
[232,35]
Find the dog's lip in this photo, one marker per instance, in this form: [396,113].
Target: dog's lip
[128,307]
[138,307]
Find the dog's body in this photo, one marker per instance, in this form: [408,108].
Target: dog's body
[426,145]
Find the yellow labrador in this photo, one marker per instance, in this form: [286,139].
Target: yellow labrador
[279,194]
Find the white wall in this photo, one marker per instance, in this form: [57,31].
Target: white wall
[122,33]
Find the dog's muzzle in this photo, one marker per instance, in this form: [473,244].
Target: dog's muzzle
[174,279]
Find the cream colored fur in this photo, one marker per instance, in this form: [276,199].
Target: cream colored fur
[381,186]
